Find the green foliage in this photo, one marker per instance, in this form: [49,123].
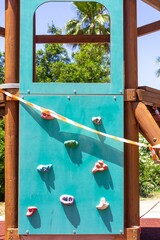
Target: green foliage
[53,55]
[2,61]
[2,160]
[92,18]
[90,64]
[149,172]
[158,71]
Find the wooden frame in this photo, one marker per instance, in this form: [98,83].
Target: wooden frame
[153,3]
[2,32]
[149,28]
[72,38]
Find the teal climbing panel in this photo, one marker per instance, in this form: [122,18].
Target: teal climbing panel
[42,143]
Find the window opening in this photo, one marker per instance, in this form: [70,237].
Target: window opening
[72,43]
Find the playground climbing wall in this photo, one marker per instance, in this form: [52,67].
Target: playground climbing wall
[71,179]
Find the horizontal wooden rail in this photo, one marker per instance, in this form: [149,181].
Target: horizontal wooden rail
[72,39]
[149,28]
[2,32]
[153,3]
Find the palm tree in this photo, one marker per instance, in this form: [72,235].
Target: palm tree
[92,18]
[158,71]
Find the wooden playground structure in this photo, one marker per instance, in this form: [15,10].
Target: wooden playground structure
[139,116]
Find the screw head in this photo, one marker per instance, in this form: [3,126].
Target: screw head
[154,139]
[74,231]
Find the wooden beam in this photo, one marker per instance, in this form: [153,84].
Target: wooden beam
[2,32]
[11,114]
[149,28]
[149,96]
[130,234]
[130,125]
[76,237]
[72,38]
[153,3]
[148,125]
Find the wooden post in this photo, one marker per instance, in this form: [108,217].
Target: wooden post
[131,129]
[11,112]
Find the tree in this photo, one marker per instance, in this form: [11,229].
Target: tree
[2,160]
[158,71]
[2,61]
[89,64]
[53,55]
[148,171]
[92,18]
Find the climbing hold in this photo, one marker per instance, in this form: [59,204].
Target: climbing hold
[103,204]
[67,199]
[71,143]
[99,166]
[31,211]
[97,120]
[47,115]
[44,168]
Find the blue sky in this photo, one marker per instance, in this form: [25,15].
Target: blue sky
[148,45]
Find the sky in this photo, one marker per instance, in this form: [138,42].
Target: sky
[148,45]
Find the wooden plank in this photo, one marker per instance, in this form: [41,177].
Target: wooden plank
[2,32]
[132,233]
[72,38]
[149,28]
[153,3]
[76,237]
[149,89]
[149,98]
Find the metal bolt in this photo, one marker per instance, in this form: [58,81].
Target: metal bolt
[74,232]
[69,98]
[120,91]
[22,96]
[115,98]
[74,91]
[27,232]
[28,91]
[154,139]
[120,232]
